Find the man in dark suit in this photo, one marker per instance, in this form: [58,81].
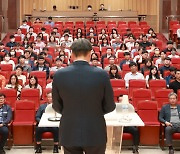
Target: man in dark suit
[170,116]
[82,94]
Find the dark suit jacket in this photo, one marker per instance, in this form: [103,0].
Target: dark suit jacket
[165,113]
[45,68]
[82,94]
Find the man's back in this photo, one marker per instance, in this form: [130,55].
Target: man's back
[83,95]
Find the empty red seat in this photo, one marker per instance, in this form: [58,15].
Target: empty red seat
[119,91]
[24,121]
[140,94]
[117,83]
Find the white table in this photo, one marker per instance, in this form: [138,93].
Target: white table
[120,120]
[44,122]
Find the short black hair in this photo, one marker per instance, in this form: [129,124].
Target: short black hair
[132,64]
[40,57]
[2,94]
[171,69]
[167,58]
[49,18]
[11,36]
[144,51]
[177,70]
[127,53]
[81,47]
[1,43]
[95,59]
[43,29]
[59,59]
[24,20]
[19,67]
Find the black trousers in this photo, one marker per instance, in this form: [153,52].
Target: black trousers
[4,136]
[169,132]
[135,133]
[86,150]
[41,130]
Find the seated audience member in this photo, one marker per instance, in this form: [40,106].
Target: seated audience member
[95,62]
[171,76]
[40,43]
[169,116]
[56,33]
[21,62]
[78,35]
[28,58]
[2,81]
[135,49]
[89,7]
[41,66]
[12,53]
[14,84]
[156,54]
[133,74]
[132,130]
[166,66]
[153,75]
[169,47]
[12,42]
[126,60]
[145,43]
[5,118]
[49,22]
[128,33]
[32,33]
[103,32]
[46,50]
[123,48]
[2,49]
[113,72]
[45,35]
[111,63]
[141,58]
[19,33]
[173,54]
[19,71]
[161,59]
[67,41]
[130,43]
[66,31]
[147,66]
[25,43]
[175,85]
[49,85]
[116,43]
[150,32]
[114,34]
[33,83]
[91,32]
[104,43]
[93,41]
[108,54]
[7,60]
[152,47]
[18,49]
[58,65]
[102,8]
[63,48]
[25,25]
[40,130]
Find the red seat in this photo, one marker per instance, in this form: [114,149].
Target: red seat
[143,23]
[140,94]
[178,93]
[120,83]
[11,96]
[24,121]
[175,60]
[148,112]
[155,85]
[31,94]
[119,91]
[6,67]
[136,84]
[161,96]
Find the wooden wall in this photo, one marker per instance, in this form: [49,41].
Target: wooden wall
[145,7]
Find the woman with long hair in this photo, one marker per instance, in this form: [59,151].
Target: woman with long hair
[113,72]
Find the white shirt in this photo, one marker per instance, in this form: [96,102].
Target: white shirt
[25,26]
[23,78]
[159,61]
[178,33]
[55,68]
[49,85]
[175,56]
[130,76]
[130,45]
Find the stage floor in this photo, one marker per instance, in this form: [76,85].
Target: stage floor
[142,150]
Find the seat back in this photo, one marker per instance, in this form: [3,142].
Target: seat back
[32,95]
[161,96]
[120,83]
[24,111]
[11,96]
[148,112]
[119,91]
[140,94]
[156,84]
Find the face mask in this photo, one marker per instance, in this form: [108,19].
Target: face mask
[91,30]
[7,58]
[12,53]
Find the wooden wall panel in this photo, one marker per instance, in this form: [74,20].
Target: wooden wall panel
[142,6]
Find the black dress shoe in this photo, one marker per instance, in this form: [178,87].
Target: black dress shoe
[171,151]
[135,150]
[38,149]
[56,149]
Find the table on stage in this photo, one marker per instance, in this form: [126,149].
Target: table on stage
[115,119]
